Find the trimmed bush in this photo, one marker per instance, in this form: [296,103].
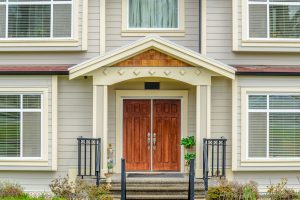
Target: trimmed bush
[280,191]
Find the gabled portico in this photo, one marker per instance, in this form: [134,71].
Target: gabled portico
[120,74]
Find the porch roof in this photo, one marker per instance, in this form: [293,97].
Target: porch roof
[152,42]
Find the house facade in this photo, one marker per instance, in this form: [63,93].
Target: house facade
[141,75]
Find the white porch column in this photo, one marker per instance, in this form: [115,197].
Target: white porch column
[198,134]
[203,109]
[100,120]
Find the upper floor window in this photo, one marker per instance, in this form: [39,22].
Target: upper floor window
[36,19]
[21,125]
[269,19]
[153,14]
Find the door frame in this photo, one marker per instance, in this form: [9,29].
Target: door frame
[182,95]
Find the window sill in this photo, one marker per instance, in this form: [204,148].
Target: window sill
[271,163]
[271,43]
[39,43]
[132,33]
[27,163]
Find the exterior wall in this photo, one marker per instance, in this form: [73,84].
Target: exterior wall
[219,40]
[114,39]
[221,113]
[21,56]
[263,175]
[74,120]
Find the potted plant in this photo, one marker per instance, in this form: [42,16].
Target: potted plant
[189,144]
[110,167]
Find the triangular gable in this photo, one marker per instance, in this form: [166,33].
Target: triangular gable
[159,44]
[152,58]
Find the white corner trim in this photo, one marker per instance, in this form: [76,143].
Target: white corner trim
[208,112]
[203,27]
[102,27]
[54,121]
[234,124]
[198,130]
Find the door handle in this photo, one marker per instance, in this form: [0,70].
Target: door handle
[149,141]
[154,141]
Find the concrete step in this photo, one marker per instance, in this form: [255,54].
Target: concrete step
[156,197]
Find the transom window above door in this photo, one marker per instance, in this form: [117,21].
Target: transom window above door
[153,16]
[274,19]
[38,19]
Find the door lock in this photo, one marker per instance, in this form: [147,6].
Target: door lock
[154,141]
[149,141]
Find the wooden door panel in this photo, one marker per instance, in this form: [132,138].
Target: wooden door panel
[167,127]
[136,126]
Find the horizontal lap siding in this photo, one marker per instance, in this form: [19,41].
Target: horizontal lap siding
[75,118]
[221,112]
[64,57]
[263,175]
[219,39]
[31,180]
[114,22]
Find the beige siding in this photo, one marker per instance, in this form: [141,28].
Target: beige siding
[219,40]
[114,23]
[74,120]
[263,175]
[221,112]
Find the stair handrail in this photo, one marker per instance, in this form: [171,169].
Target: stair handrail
[91,146]
[123,179]
[206,152]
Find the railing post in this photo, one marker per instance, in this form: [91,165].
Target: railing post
[224,158]
[123,179]
[79,157]
[205,170]
[191,194]
[98,159]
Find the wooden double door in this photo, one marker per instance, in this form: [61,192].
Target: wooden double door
[151,134]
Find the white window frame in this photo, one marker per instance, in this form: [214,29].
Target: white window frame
[266,162]
[30,161]
[51,3]
[268,3]
[21,110]
[179,31]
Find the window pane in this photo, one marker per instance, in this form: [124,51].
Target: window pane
[2,21]
[257,135]
[258,21]
[62,20]
[9,134]
[9,101]
[31,134]
[257,102]
[284,102]
[29,21]
[284,21]
[284,134]
[32,101]
[153,14]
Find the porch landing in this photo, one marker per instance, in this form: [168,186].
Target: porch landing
[156,186]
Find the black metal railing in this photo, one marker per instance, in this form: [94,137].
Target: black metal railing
[123,179]
[191,192]
[89,157]
[214,159]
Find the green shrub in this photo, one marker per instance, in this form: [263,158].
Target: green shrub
[8,189]
[62,188]
[280,191]
[226,190]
